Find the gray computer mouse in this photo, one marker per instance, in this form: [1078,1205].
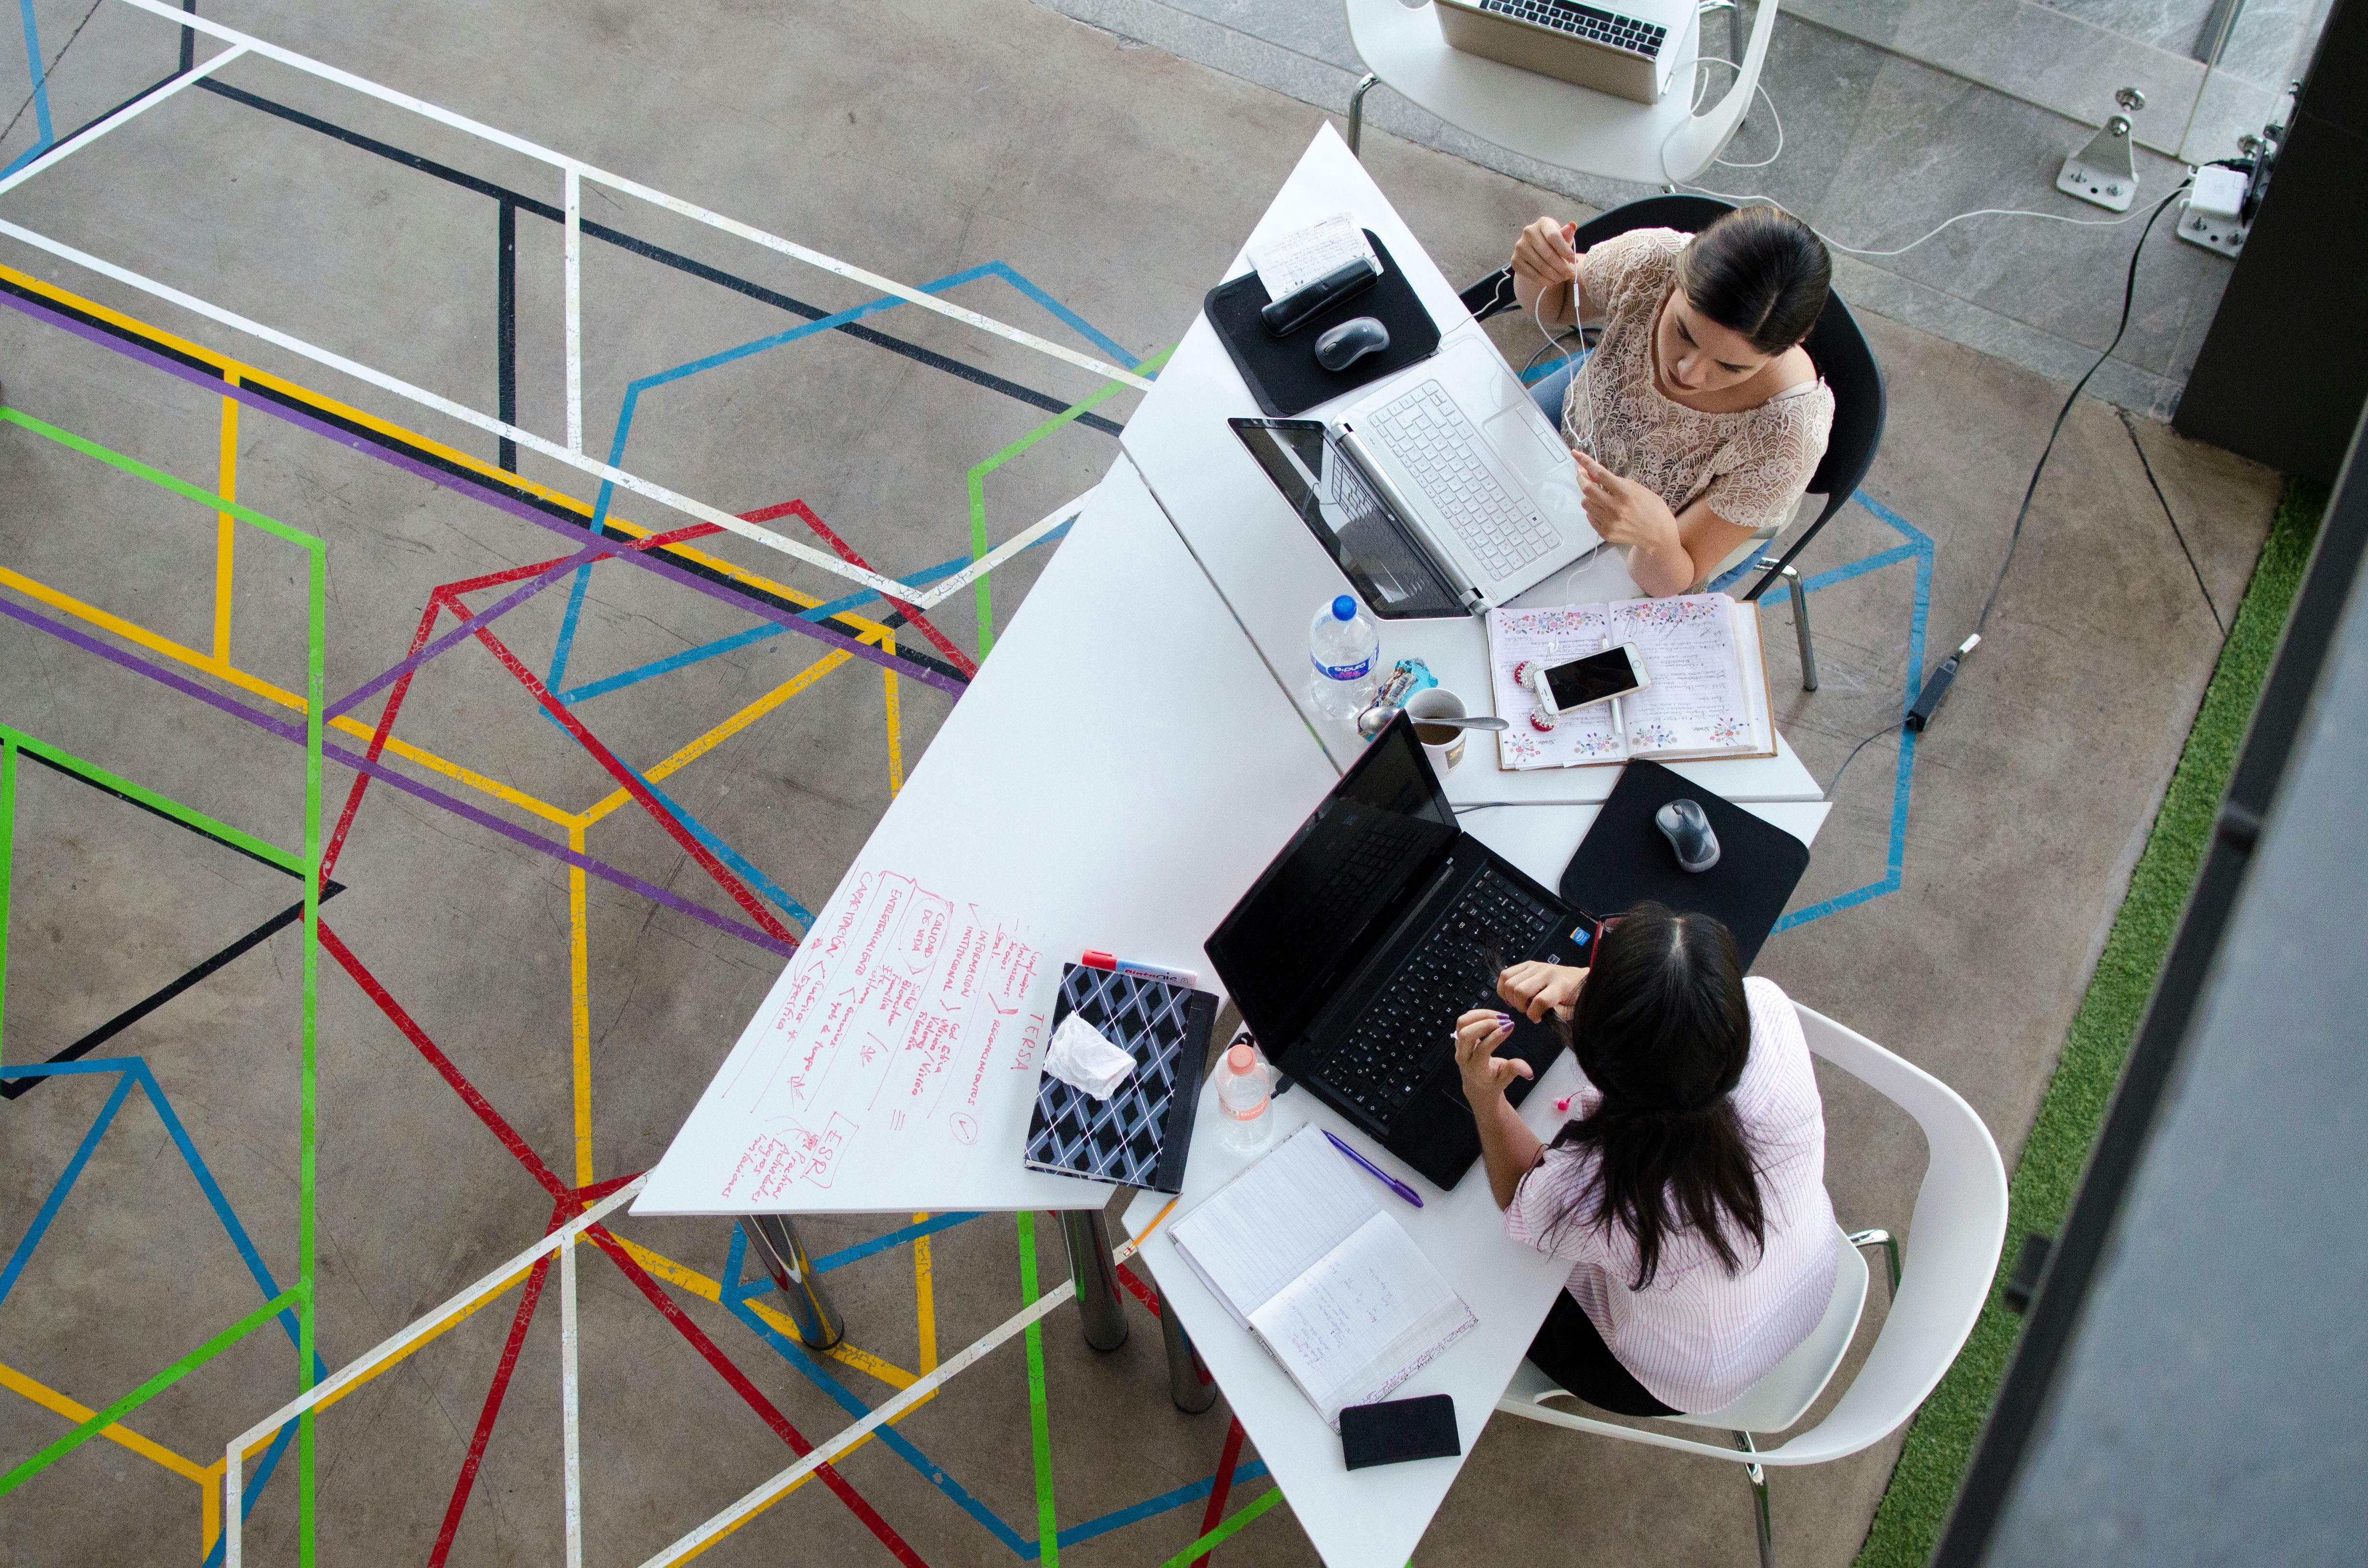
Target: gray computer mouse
[1687,827]
[1343,346]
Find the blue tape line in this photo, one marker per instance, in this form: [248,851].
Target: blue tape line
[1920,545]
[41,83]
[49,1209]
[1121,1518]
[797,1357]
[254,1487]
[913,1232]
[1078,323]
[566,644]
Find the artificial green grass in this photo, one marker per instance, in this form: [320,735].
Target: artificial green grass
[1939,1444]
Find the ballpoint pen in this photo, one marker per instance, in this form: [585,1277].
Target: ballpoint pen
[1393,1183]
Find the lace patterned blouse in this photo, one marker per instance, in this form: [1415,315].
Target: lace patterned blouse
[1752,466]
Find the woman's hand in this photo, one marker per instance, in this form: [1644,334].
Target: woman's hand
[1628,514]
[1544,261]
[1478,1035]
[1535,987]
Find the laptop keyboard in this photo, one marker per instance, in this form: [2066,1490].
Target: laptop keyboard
[1628,35]
[1399,1041]
[1433,437]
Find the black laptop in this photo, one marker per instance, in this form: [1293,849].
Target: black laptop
[1379,923]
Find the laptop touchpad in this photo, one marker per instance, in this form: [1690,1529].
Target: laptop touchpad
[1545,466]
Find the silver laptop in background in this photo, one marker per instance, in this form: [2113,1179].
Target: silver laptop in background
[1628,48]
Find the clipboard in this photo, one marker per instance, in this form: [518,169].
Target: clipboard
[1281,372]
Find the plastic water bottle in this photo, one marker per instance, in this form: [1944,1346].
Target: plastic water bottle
[1244,1092]
[1345,648]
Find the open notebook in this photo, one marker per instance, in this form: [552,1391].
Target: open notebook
[1300,1251]
[1709,696]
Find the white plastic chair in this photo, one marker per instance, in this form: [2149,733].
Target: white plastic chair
[1954,1241]
[1554,122]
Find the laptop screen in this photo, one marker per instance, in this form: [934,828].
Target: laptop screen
[1311,917]
[1356,528]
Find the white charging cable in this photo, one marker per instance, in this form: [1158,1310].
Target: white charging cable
[1586,388]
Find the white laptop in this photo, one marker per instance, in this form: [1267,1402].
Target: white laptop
[1439,491]
[1626,47]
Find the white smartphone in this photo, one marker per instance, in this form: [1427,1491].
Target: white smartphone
[1598,677]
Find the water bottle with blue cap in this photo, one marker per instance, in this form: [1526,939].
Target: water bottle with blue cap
[1345,647]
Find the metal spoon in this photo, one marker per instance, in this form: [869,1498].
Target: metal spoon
[1373,720]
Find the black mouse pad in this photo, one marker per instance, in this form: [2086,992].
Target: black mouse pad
[1282,372]
[1625,860]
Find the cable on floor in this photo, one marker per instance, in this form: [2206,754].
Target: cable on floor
[2168,515]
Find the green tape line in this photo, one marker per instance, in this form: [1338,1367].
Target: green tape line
[1039,1430]
[149,798]
[173,1374]
[976,479]
[1266,1501]
[7,851]
[157,476]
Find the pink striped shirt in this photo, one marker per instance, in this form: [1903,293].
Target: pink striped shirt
[1696,1338]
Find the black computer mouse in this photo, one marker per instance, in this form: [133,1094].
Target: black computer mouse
[1343,346]
[1687,827]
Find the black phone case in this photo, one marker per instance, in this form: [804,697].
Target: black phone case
[1399,1429]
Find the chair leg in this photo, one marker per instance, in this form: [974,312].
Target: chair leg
[1759,1477]
[1890,1245]
[1357,112]
[1800,599]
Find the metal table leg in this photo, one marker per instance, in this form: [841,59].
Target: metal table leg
[1101,1313]
[1357,112]
[775,1241]
[1189,1384]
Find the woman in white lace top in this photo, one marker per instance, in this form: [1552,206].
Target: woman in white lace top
[1697,418]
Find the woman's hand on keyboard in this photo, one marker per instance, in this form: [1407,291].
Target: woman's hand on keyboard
[1536,987]
[1478,1033]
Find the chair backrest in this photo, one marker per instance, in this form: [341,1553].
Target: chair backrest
[1954,1239]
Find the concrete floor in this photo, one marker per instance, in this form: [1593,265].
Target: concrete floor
[920,140]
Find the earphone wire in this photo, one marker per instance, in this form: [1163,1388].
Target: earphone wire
[1586,386]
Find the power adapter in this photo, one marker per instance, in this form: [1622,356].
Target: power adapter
[1936,689]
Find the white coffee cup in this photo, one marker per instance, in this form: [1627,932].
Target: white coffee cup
[1435,699]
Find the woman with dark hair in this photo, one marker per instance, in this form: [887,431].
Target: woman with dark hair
[1687,1192]
[1699,418]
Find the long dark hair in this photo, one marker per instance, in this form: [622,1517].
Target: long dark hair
[1758,271]
[1663,1029]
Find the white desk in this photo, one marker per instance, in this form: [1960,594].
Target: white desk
[1058,796]
[1273,574]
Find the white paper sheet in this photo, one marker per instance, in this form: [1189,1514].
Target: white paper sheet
[1699,700]
[1366,1317]
[1553,635]
[1288,263]
[1269,1224]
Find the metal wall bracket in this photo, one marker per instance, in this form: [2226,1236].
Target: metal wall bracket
[2225,235]
[2105,171]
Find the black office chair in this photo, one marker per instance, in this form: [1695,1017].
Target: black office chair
[1836,346]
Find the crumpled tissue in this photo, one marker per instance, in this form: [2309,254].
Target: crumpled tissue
[1079,1055]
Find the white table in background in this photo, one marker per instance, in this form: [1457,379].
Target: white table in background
[1272,573]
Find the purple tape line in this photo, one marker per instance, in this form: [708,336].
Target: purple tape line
[468,627]
[292,730]
[486,493]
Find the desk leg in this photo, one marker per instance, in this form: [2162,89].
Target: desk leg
[775,1241]
[1357,112]
[1189,1384]
[1101,1311]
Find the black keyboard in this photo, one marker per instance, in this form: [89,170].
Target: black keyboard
[1401,1040]
[1629,35]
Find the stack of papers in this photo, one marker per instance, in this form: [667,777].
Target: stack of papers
[1288,263]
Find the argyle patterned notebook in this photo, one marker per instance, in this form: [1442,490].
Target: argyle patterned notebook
[1139,1136]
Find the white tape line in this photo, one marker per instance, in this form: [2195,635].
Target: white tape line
[575,209]
[571,1449]
[484,422]
[634,187]
[402,1338]
[920,1389]
[126,113]
[940,592]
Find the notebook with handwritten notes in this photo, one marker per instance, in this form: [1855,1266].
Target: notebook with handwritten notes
[1300,1251]
[1709,691]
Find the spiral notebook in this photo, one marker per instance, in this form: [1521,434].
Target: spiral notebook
[1140,1135]
[1300,1251]
[1708,696]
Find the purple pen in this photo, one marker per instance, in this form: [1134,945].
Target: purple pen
[1393,1183]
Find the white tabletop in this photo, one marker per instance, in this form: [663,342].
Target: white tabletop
[1064,808]
[1273,574]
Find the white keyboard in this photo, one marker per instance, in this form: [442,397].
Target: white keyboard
[1425,431]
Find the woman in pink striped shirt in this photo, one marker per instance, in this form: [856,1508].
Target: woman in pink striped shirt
[1687,1192]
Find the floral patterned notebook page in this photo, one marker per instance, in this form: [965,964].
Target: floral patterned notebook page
[1551,634]
[1699,700]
